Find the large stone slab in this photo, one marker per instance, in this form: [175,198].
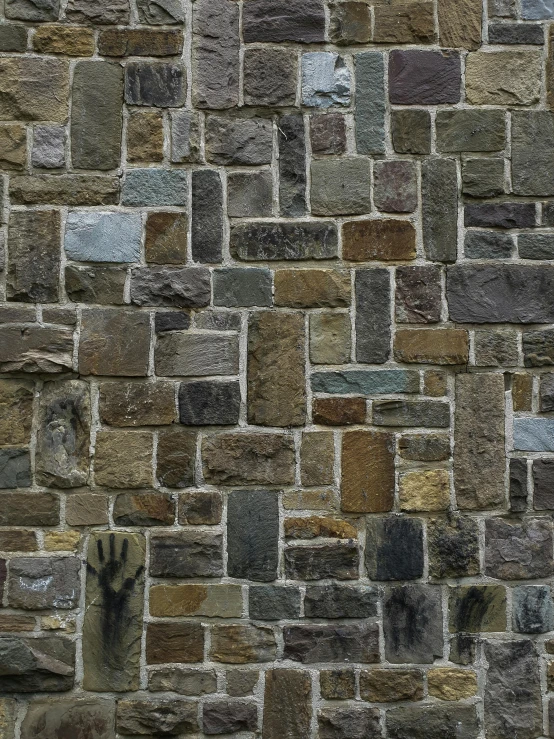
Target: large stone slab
[273,21]
[85,718]
[273,241]
[103,237]
[34,89]
[42,665]
[533,153]
[413,624]
[479,454]
[287,704]
[112,629]
[276,369]
[62,451]
[248,459]
[39,583]
[37,349]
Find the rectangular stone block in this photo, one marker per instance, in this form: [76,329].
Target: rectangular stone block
[272,241]
[404,23]
[36,349]
[172,287]
[34,89]
[412,619]
[240,141]
[253,535]
[287,704]
[470,130]
[367,472]
[71,189]
[340,186]
[532,153]
[155,187]
[424,77]
[174,642]
[373,320]
[534,434]
[365,382]
[114,342]
[378,240]
[273,21]
[276,369]
[356,642]
[194,599]
[112,628]
[186,554]
[340,561]
[394,548]
[439,192]
[96,115]
[460,23]
[123,459]
[34,256]
[103,237]
[370,102]
[216,62]
[193,355]
[29,509]
[503,77]
[42,665]
[443,346]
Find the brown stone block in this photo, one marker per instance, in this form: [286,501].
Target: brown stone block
[339,411]
[137,403]
[33,89]
[248,458]
[522,392]
[145,136]
[194,599]
[425,490]
[140,42]
[410,23]
[452,684]
[16,404]
[71,189]
[435,383]
[378,240]
[86,509]
[144,509]
[503,77]
[424,346]
[242,643]
[387,686]
[312,288]
[16,623]
[312,527]
[123,459]
[29,509]
[114,342]
[175,458]
[200,508]
[36,349]
[460,23]
[66,40]
[17,540]
[166,238]
[317,457]
[367,472]
[174,642]
[13,147]
[315,500]
[287,704]
[276,369]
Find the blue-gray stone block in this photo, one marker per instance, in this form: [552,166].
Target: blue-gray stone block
[533,611]
[366,382]
[534,434]
[370,103]
[536,246]
[155,187]
[103,237]
[325,80]
[15,468]
[537,10]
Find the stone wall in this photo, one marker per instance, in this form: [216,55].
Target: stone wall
[277,350]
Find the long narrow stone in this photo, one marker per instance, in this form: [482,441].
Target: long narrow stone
[370,103]
[479,455]
[373,319]
[207,216]
[287,704]
[253,535]
[292,166]
[439,191]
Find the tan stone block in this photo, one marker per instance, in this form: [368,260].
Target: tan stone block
[137,403]
[242,643]
[430,346]
[522,392]
[33,89]
[71,189]
[166,238]
[16,411]
[248,459]
[62,541]
[330,338]
[86,509]
[312,288]
[221,601]
[67,40]
[123,459]
[503,77]
[452,684]
[13,147]
[311,500]
[174,642]
[313,526]
[425,490]
[367,472]
[59,623]
[145,136]
[460,23]
[406,23]
[387,686]
[317,456]
[435,383]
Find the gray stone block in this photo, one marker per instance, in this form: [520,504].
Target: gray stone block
[253,535]
[103,237]
[242,287]
[533,610]
[325,80]
[155,187]
[412,620]
[340,186]
[158,84]
[48,147]
[15,468]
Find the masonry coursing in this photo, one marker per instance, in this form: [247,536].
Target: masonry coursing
[276,344]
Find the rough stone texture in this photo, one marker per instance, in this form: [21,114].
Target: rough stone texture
[488,245]
[503,78]
[413,624]
[518,550]
[373,328]
[39,583]
[84,717]
[433,722]
[453,547]
[424,77]
[460,23]
[33,261]
[269,77]
[439,192]
[370,108]
[287,701]
[251,459]
[357,642]
[245,141]
[394,548]
[113,343]
[367,472]
[252,535]
[102,237]
[330,194]
[269,241]
[274,21]
[33,89]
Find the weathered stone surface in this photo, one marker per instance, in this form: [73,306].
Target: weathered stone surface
[287,704]
[339,411]
[433,722]
[411,131]
[367,472]
[274,21]
[41,665]
[439,192]
[207,216]
[200,508]
[269,241]
[251,459]
[365,382]
[242,141]
[137,403]
[174,642]
[238,644]
[476,608]
[216,54]
[97,120]
[337,684]
[276,388]
[13,38]
[394,548]
[503,77]
[350,23]
[176,287]
[518,485]
[387,686]
[383,240]
[34,256]
[339,561]
[270,76]
[114,607]
[16,403]
[41,583]
[533,610]
[241,682]
[325,80]
[292,166]
[32,10]
[205,403]
[357,642]
[313,526]
[62,452]
[226,717]
[532,156]
[404,23]
[395,187]
[424,447]
[479,466]
[515,33]
[30,509]
[425,490]
[496,348]
[103,237]
[252,535]
[33,89]
[161,12]
[158,84]
[521,294]
[166,238]
[83,717]
[237,287]
[537,9]
[538,349]
[179,353]
[351,723]
[15,468]
[517,550]
[249,194]
[483,178]
[140,42]
[373,330]
[310,288]
[164,717]
[72,189]
[430,413]
[413,624]
[453,547]
[317,458]
[460,23]
[340,186]
[48,147]
[370,106]
[183,681]
[512,693]
[59,39]
[155,187]
[123,459]
[145,136]
[340,601]
[328,132]
[446,346]
[13,147]
[186,554]
[501,215]
[36,349]
[418,294]
[114,342]
[470,130]
[424,77]
[146,509]
[101,285]
[273,602]
[222,601]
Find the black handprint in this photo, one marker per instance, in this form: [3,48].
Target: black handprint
[116,591]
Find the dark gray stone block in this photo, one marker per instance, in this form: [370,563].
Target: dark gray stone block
[273,602]
[373,320]
[394,548]
[253,534]
[205,403]
[412,622]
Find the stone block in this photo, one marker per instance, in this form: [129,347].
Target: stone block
[209,403]
[373,320]
[13,38]
[369,116]
[153,187]
[60,39]
[317,458]
[292,165]
[184,287]
[248,458]
[168,642]
[471,130]
[164,717]
[33,89]
[13,147]
[337,684]
[340,561]
[433,722]
[357,642]
[273,21]
[123,459]
[453,545]
[411,131]
[532,133]
[460,23]
[32,10]
[273,602]
[200,508]
[404,23]
[483,178]
[240,141]
[518,550]
[424,447]
[270,76]
[503,77]
[140,42]
[395,187]
[15,468]
[71,189]
[40,665]
[427,490]
[45,720]
[367,472]
[42,583]
[340,601]
[339,411]
[238,644]
[16,403]
[340,186]
[509,34]
[418,294]
[34,256]
[186,554]
[103,237]
[194,355]
[366,382]
[183,681]
[252,535]
[311,527]
[249,194]
[101,285]
[429,413]
[48,147]
[325,80]
[537,10]
[144,509]
[225,717]
[424,346]
[424,77]
[533,610]
[394,548]
[271,241]
[330,340]
[159,84]
[185,136]
[390,686]
[354,723]
[145,136]
[287,703]
[37,349]
[412,620]
[382,240]
[114,342]
[439,193]
[350,23]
